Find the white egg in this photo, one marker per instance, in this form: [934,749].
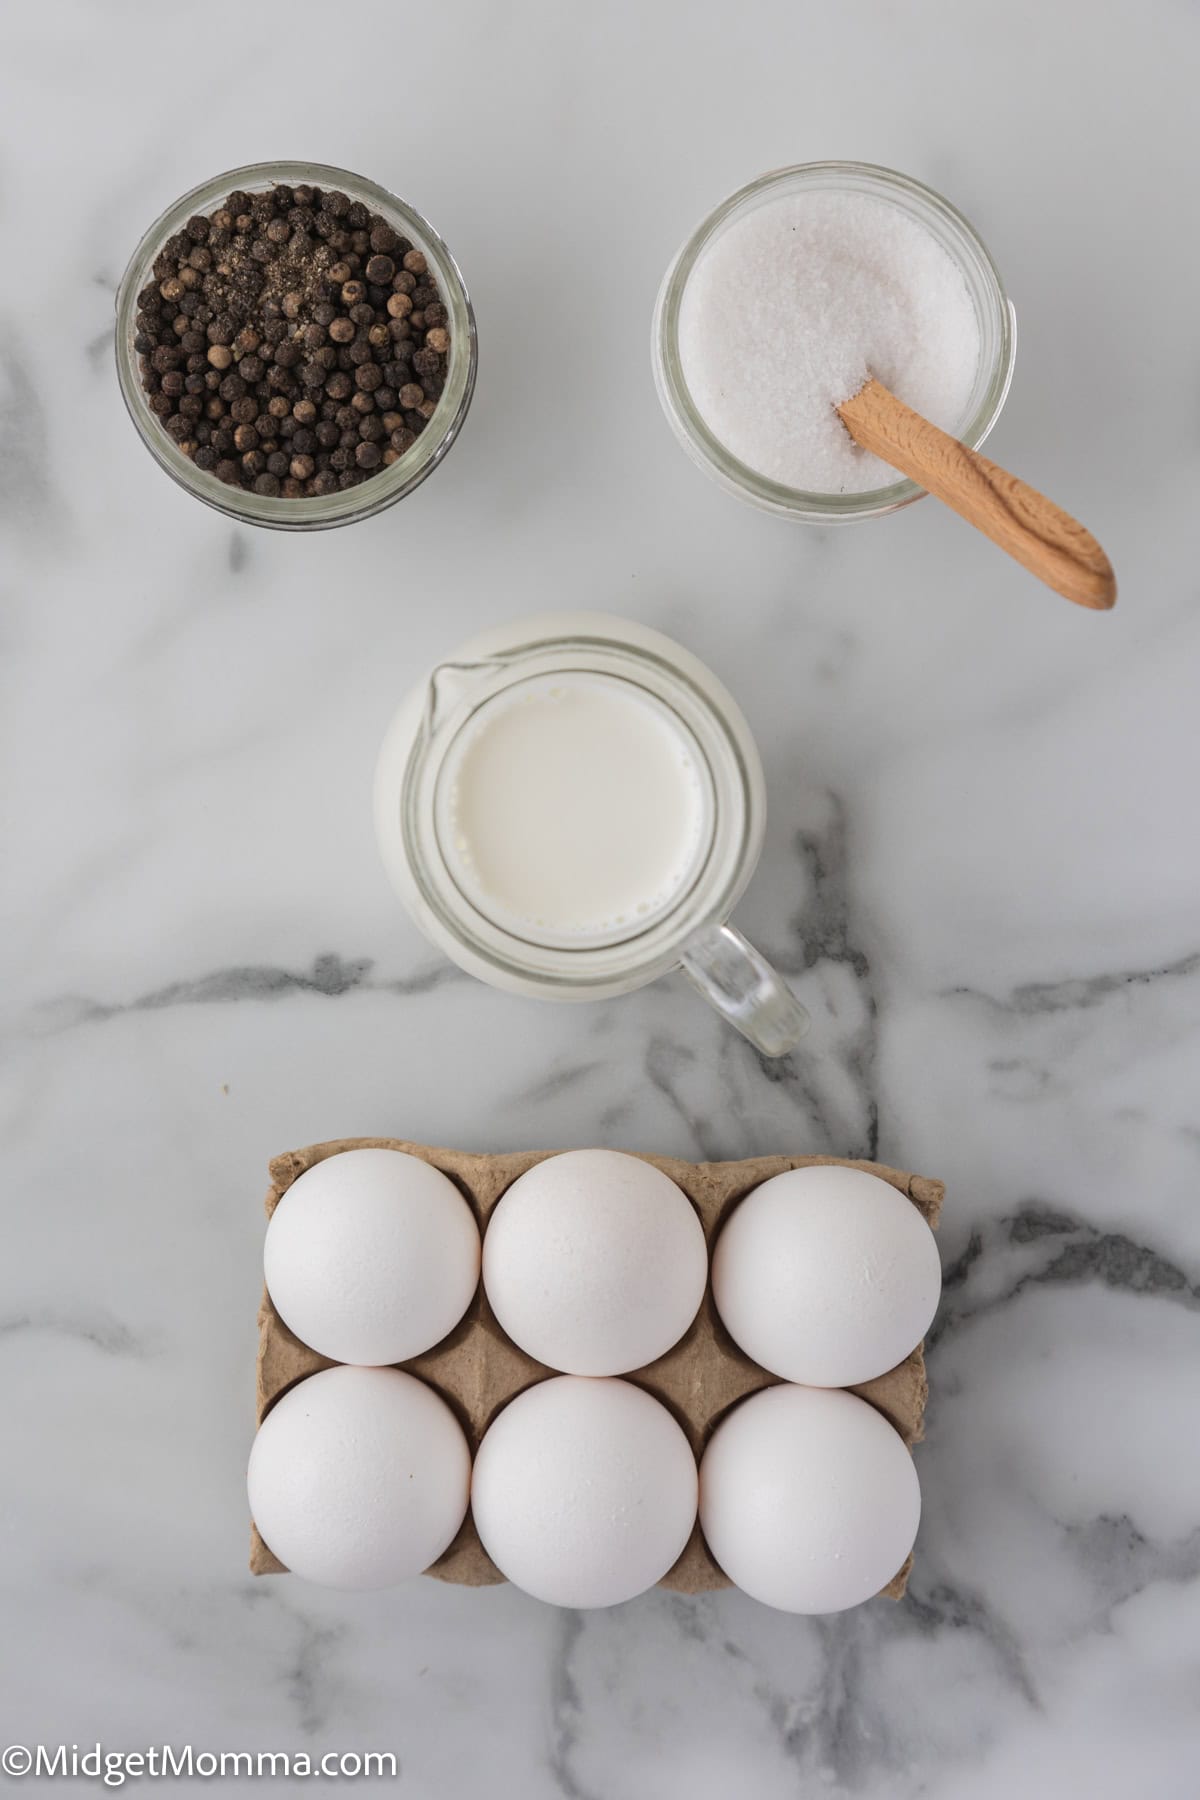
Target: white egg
[584,1491]
[359,1478]
[827,1276]
[809,1500]
[372,1256]
[594,1262]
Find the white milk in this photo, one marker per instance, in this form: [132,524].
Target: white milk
[574,808]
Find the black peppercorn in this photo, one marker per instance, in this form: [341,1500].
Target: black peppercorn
[277,335]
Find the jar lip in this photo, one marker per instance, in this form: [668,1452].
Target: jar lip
[450,918]
[383,489]
[447,774]
[700,442]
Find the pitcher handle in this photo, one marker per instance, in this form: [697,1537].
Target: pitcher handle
[735,978]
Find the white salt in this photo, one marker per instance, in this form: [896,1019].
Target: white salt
[795,305]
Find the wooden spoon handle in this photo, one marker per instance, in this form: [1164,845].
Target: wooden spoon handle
[1048,541]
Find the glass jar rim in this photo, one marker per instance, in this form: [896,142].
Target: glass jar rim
[957,236]
[676,679]
[465,737]
[383,489]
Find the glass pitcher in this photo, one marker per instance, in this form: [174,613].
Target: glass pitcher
[690,930]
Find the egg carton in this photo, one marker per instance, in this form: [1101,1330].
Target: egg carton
[477,1369]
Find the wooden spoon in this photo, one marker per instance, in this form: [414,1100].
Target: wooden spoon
[1051,544]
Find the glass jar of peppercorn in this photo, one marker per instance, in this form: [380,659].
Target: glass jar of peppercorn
[295,345]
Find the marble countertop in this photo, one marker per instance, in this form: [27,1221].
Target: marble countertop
[981,872]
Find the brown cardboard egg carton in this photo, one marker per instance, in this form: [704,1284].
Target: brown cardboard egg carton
[478,1368]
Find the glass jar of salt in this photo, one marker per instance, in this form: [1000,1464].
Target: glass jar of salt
[790,296]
